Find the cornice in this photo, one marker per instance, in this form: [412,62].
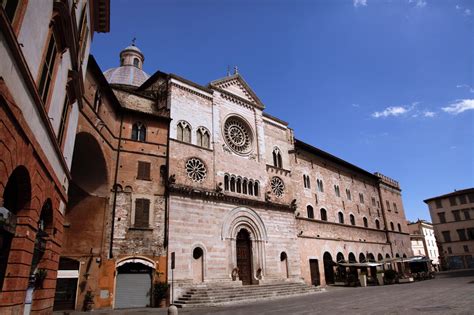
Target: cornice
[237,99]
[190,90]
[215,195]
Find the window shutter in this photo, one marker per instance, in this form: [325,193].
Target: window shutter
[143,170]
[142,211]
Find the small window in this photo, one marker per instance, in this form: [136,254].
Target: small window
[336,191]
[183,132]
[361,198]
[388,205]
[232,184]
[255,189]
[438,203]
[462,234]
[324,215]
[143,170]
[310,212]
[471,198]
[341,217]
[462,199]
[395,207]
[457,215]
[250,188]
[244,186]
[377,224]
[226,182]
[63,122]
[373,201]
[197,253]
[142,213]
[446,236]
[348,194]
[283,256]
[366,222]
[239,185]
[277,160]
[392,227]
[442,217]
[320,185]
[467,215]
[399,227]
[136,62]
[138,132]
[452,201]
[352,219]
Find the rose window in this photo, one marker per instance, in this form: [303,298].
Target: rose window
[237,135]
[196,170]
[277,186]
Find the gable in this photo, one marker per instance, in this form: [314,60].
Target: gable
[236,85]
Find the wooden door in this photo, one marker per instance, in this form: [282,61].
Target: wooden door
[314,269]
[244,257]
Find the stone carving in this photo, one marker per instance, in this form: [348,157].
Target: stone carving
[196,169]
[237,135]
[268,196]
[172,179]
[277,185]
[219,187]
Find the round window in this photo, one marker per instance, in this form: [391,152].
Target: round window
[277,185]
[196,169]
[237,135]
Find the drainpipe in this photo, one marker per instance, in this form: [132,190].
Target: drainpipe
[112,226]
[165,181]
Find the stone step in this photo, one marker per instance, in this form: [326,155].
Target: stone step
[218,295]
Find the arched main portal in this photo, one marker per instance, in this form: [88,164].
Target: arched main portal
[244,256]
[16,197]
[133,283]
[328,268]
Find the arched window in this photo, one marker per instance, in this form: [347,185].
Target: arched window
[138,132]
[324,215]
[306,181]
[202,137]
[226,182]
[232,184]
[352,218]
[183,132]
[277,161]
[97,101]
[319,182]
[250,188]
[136,62]
[391,226]
[377,224]
[244,186]
[366,222]
[239,185]
[255,189]
[310,212]
[337,191]
[348,194]
[341,217]
[399,227]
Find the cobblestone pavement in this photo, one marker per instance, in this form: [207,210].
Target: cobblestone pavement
[449,293]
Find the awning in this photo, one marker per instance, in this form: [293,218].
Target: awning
[365,264]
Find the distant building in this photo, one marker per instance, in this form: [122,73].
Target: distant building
[423,240]
[453,221]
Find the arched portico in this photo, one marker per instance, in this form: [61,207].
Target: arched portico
[245,225]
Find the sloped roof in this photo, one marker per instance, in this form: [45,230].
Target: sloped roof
[236,85]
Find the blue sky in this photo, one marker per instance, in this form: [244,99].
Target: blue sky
[386,85]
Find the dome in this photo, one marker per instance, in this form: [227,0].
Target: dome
[130,71]
[127,75]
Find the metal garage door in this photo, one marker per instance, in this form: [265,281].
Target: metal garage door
[133,290]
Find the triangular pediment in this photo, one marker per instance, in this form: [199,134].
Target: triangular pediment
[237,86]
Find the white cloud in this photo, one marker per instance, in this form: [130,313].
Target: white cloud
[355,105]
[360,3]
[459,107]
[419,3]
[471,89]
[391,111]
[458,7]
[467,12]
[429,114]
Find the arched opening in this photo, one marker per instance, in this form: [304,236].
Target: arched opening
[377,224]
[198,265]
[139,132]
[341,270]
[133,284]
[239,185]
[352,259]
[226,182]
[404,256]
[324,215]
[328,268]
[232,184]
[255,189]
[387,255]
[399,227]
[362,260]
[379,257]
[366,222]
[244,256]
[373,270]
[352,219]
[310,212]
[16,197]
[340,215]
[284,264]
[244,186]
[45,229]
[391,226]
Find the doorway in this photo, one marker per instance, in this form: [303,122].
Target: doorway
[244,256]
[314,269]
[328,268]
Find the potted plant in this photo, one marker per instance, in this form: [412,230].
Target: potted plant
[160,289]
[88,301]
